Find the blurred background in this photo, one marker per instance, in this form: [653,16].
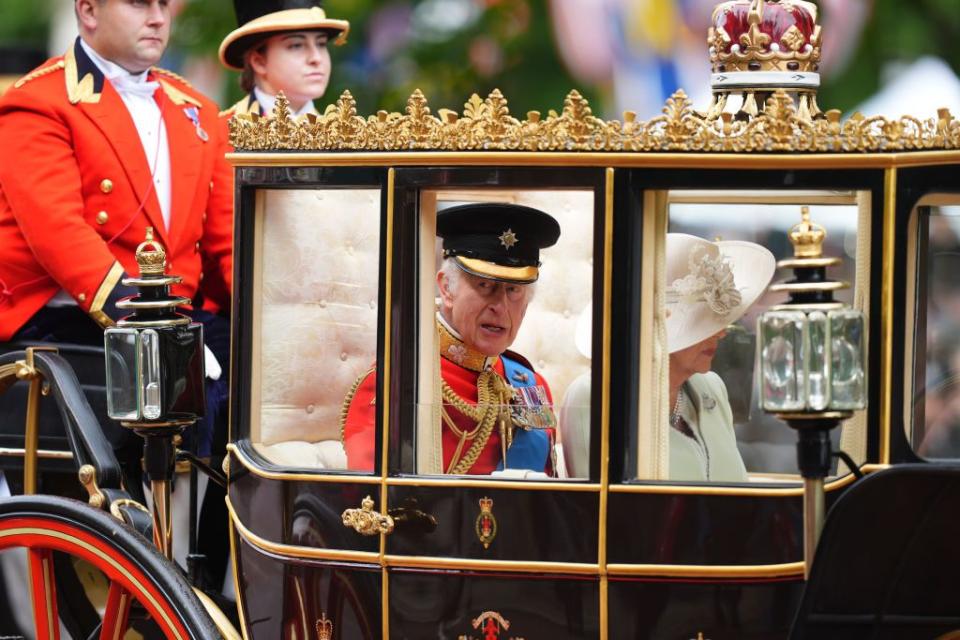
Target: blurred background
[884,57]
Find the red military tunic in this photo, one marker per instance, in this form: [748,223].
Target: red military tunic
[76,191]
[359,423]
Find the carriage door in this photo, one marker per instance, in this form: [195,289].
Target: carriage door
[477,551]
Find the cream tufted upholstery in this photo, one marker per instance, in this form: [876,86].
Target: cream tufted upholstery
[318,311]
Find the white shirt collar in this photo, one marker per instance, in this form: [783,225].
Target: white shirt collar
[266,102]
[110,69]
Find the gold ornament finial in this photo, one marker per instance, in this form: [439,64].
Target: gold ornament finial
[807,237]
[152,262]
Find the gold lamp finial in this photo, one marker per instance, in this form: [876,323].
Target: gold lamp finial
[152,262]
[807,237]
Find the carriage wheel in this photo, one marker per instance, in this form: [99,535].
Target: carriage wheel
[140,578]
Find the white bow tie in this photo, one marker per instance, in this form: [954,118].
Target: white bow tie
[127,85]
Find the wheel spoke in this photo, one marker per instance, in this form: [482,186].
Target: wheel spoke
[116,614]
[43,591]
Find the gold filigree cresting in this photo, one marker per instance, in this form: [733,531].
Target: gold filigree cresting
[486,125]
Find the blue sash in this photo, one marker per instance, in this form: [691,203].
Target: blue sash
[531,447]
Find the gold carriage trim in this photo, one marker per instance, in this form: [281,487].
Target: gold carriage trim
[486,125]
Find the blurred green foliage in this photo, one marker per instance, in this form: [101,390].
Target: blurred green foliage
[898,31]
[517,35]
[25,23]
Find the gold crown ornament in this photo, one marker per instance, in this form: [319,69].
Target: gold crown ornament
[761,46]
[151,257]
[807,237]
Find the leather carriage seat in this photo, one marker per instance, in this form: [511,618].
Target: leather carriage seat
[319,312]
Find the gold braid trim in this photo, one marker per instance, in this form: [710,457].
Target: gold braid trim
[493,397]
[348,400]
[175,76]
[39,73]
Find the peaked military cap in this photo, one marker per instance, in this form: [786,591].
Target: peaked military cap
[257,20]
[497,241]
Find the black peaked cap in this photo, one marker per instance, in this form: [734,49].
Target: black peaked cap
[509,235]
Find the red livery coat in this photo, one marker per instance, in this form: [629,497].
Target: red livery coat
[76,194]
[359,426]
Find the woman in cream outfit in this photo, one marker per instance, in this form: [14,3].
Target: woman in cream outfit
[710,285]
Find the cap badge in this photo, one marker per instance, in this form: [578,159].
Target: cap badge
[508,238]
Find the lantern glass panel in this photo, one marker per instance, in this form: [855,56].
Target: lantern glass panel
[818,361]
[782,337]
[150,374]
[123,363]
[848,376]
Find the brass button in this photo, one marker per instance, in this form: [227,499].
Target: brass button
[211,185]
[201,276]
[102,217]
[82,297]
[196,248]
[204,217]
[106,185]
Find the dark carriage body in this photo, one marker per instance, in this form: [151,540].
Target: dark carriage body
[616,553]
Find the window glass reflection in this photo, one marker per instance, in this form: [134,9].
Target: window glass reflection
[719,260]
[936,426]
[509,277]
[316,324]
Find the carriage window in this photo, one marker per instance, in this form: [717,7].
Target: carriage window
[718,258]
[935,427]
[314,321]
[506,278]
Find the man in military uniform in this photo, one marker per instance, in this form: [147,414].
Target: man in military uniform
[496,412]
[98,145]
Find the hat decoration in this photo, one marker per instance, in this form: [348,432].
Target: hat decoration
[711,285]
[710,281]
[261,19]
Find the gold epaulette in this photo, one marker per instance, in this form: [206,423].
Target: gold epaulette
[175,76]
[37,73]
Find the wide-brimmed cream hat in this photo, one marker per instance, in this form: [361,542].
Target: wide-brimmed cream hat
[259,20]
[711,285]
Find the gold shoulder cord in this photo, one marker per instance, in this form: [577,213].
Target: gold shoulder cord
[493,398]
[348,400]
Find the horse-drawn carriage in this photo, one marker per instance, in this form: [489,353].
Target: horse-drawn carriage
[335,262]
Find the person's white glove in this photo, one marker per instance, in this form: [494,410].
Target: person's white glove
[210,364]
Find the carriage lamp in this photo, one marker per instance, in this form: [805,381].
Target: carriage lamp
[154,362]
[811,354]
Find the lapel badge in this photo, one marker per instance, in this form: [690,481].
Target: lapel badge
[324,627]
[520,377]
[508,238]
[193,114]
[486,524]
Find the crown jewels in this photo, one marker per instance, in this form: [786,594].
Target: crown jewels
[807,237]
[152,262]
[765,35]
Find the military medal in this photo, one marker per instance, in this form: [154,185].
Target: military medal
[194,116]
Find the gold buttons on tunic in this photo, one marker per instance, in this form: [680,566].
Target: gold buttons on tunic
[196,248]
[82,297]
[106,185]
[102,217]
[204,217]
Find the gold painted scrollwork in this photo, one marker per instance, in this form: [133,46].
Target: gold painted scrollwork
[487,125]
[366,521]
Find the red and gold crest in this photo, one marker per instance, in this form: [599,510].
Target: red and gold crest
[486,523]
